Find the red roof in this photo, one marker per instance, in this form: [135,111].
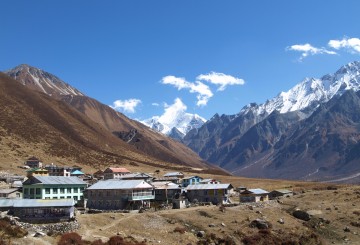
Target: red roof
[119,170]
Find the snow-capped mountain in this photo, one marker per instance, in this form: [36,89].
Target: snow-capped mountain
[175,117]
[310,92]
[183,122]
[42,81]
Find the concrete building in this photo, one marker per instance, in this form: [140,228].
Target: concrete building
[10,193]
[53,187]
[280,193]
[166,191]
[192,180]
[33,162]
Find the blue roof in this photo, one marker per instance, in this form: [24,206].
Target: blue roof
[77,172]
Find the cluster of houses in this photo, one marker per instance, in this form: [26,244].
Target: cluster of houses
[50,192]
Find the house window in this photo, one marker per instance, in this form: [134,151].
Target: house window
[68,197]
[38,191]
[75,198]
[26,191]
[82,189]
[47,190]
[62,190]
[76,190]
[62,197]
[55,191]
[68,190]
[31,191]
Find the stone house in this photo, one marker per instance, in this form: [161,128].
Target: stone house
[33,162]
[39,210]
[54,187]
[115,173]
[166,191]
[254,195]
[116,194]
[10,193]
[280,193]
[214,193]
[134,176]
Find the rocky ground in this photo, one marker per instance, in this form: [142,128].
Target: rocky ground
[328,215]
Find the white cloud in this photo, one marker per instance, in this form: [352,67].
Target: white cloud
[202,90]
[307,49]
[172,111]
[126,105]
[155,104]
[351,44]
[221,79]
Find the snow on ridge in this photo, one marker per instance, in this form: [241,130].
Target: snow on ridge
[310,92]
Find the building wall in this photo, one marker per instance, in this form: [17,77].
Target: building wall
[15,194]
[213,196]
[43,214]
[40,191]
[253,198]
[115,199]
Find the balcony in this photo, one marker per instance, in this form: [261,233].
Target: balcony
[141,195]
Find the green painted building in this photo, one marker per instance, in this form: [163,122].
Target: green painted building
[53,187]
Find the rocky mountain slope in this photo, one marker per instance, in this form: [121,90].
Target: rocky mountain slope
[142,140]
[252,142]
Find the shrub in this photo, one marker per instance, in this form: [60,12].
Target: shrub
[71,238]
[181,230]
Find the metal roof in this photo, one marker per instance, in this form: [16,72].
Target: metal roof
[120,184]
[77,172]
[165,185]
[135,175]
[208,186]
[257,191]
[283,191]
[117,170]
[58,180]
[173,174]
[6,202]
[193,177]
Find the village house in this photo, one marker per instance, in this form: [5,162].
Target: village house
[254,195]
[115,173]
[39,210]
[192,180]
[115,194]
[77,173]
[10,193]
[209,181]
[280,193]
[166,191]
[36,172]
[134,176]
[214,193]
[178,175]
[54,187]
[99,175]
[55,170]
[33,162]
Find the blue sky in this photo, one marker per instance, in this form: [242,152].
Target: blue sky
[212,56]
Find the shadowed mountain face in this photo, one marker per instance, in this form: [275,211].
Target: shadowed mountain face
[310,132]
[134,135]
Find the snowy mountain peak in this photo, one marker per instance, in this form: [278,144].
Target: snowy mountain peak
[310,92]
[175,116]
[40,80]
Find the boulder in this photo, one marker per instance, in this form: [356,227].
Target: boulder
[299,214]
[200,234]
[260,224]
